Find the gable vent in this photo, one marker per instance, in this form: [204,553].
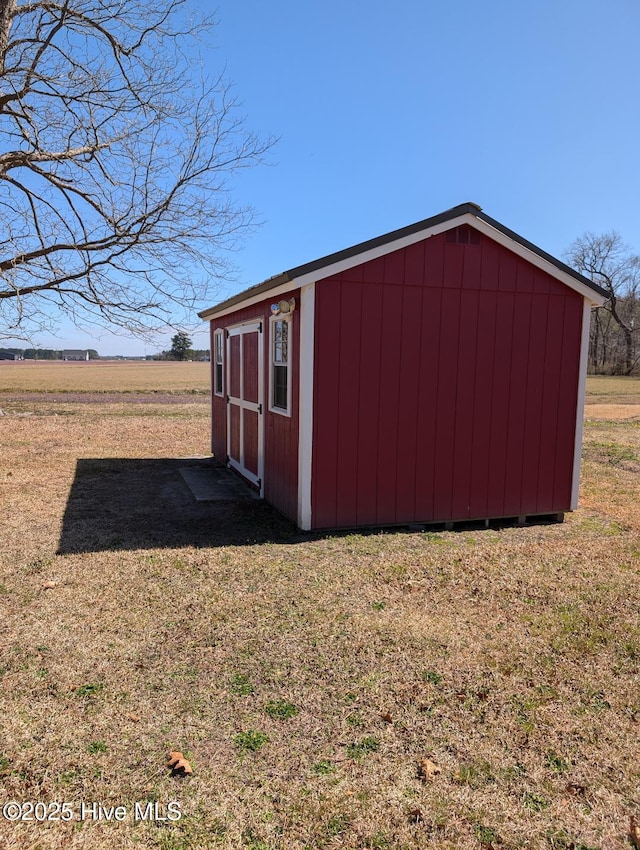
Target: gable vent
[463,235]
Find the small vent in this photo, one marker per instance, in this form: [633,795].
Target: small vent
[463,235]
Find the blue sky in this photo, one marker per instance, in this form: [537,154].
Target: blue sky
[388,113]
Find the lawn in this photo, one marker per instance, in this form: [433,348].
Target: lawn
[469,689]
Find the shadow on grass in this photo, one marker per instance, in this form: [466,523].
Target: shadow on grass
[125,504]
[118,504]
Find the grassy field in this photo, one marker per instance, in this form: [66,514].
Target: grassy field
[103,377]
[473,689]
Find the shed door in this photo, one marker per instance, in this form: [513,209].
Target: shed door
[245,437]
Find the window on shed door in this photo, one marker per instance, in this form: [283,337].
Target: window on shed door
[218,387]
[280,366]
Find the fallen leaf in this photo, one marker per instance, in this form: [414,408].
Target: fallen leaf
[427,769]
[415,815]
[575,790]
[386,716]
[135,717]
[634,832]
[178,763]
[49,585]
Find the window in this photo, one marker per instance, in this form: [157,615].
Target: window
[280,379]
[218,386]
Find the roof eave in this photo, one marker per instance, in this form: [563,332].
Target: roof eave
[563,267]
[468,208]
[330,259]
[258,289]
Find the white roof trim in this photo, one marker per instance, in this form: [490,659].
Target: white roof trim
[343,265]
[398,244]
[270,295]
[536,260]
[383,250]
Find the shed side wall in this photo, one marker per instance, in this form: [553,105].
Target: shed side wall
[446,381]
[280,432]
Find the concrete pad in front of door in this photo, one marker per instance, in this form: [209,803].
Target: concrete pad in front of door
[213,482]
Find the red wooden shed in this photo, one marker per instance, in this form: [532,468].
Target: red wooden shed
[432,375]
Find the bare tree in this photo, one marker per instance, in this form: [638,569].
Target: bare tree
[114,156]
[609,262]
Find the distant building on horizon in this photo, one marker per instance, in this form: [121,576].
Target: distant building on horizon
[10,355]
[75,354]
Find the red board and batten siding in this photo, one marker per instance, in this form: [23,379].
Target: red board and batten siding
[446,385]
[280,432]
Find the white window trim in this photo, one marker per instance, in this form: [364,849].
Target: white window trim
[219,334]
[281,317]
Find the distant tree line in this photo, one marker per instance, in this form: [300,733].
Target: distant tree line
[47,353]
[192,354]
[613,342]
[614,348]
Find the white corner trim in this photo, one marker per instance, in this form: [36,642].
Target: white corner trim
[305,403]
[582,386]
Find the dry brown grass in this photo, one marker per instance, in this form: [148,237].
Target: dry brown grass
[509,658]
[602,389]
[129,376]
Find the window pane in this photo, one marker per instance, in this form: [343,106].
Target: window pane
[280,387]
[218,377]
[280,341]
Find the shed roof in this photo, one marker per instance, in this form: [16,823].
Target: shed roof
[451,215]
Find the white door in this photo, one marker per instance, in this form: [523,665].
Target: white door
[245,418]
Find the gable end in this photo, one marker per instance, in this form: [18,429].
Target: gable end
[464,216]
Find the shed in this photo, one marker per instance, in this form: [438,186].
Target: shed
[435,374]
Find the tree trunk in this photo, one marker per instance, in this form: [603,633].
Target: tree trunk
[7,9]
[628,351]
[595,340]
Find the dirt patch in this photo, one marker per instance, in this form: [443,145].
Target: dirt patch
[613,411]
